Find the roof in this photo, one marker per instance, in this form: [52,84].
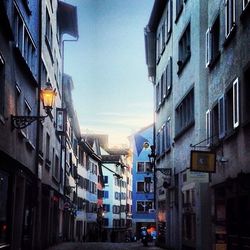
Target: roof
[67,19]
[156,14]
[111,159]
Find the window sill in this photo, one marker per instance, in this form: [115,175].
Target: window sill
[184,130]
[183,64]
[230,36]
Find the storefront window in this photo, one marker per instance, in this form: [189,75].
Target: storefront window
[4,183]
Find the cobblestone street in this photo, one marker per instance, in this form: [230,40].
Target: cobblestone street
[103,246]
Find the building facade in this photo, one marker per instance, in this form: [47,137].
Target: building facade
[175,52]
[227,116]
[32,183]
[19,77]
[207,44]
[117,194]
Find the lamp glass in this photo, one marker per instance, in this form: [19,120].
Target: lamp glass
[48,97]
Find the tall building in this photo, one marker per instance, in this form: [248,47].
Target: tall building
[228,69]
[32,183]
[143,212]
[19,84]
[56,152]
[175,54]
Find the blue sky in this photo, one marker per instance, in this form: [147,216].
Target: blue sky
[112,94]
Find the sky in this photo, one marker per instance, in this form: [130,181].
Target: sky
[112,94]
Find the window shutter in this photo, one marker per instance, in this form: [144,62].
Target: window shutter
[222,117]
[169,75]
[165,83]
[157,96]
[158,143]
[163,138]
[169,16]
[168,133]
[208,46]
[162,88]
[236,112]
[208,127]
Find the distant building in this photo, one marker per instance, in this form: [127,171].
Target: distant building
[117,199]
[89,221]
[143,207]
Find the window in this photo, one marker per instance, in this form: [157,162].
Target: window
[167,79]
[179,7]
[143,166]
[158,50]
[221,113]
[167,136]
[144,206]
[2,84]
[214,124]
[246,97]
[158,95]
[168,21]
[236,104]
[47,147]
[185,113]
[163,37]
[158,143]
[213,42]
[229,17]
[228,110]
[48,33]
[106,207]
[105,179]
[140,186]
[184,49]
[24,42]
[116,209]
[56,168]
[208,128]
[245,4]
[106,194]
[29,130]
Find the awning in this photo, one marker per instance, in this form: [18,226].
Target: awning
[67,19]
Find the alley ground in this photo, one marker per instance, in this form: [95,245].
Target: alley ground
[103,246]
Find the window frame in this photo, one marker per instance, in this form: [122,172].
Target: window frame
[236,104]
[230,17]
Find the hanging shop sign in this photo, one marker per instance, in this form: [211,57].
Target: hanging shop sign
[203,161]
[60,120]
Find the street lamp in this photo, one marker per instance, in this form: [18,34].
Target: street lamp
[48,98]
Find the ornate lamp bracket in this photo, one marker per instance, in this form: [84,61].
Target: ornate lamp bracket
[20,122]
